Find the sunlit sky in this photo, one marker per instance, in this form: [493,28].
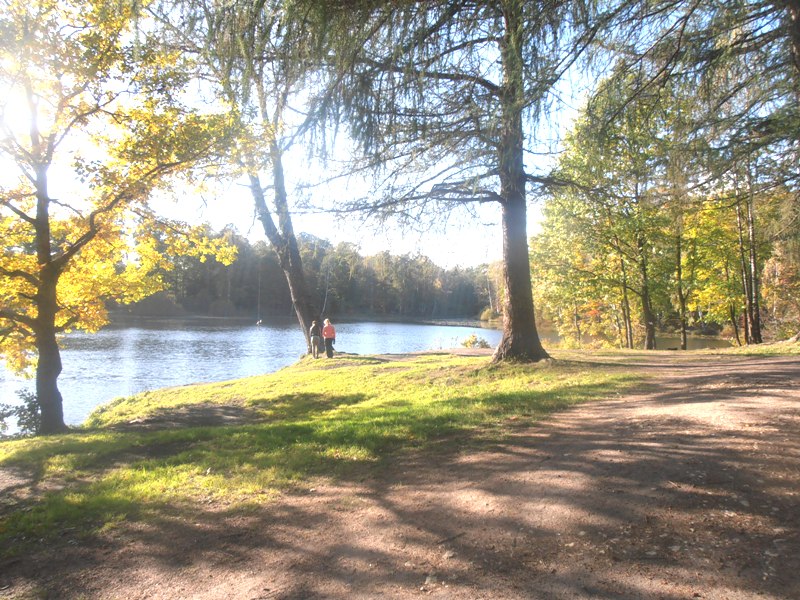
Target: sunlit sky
[459,239]
[462,240]
[455,240]
[464,243]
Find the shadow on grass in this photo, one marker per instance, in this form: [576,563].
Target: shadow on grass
[302,405]
[175,455]
[568,506]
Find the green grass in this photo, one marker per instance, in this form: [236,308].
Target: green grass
[314,419]
[773,349]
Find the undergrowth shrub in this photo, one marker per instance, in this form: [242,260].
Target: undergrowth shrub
[28,415]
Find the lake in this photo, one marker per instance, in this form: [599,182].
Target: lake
[148,354]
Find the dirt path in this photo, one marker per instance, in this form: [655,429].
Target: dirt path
[688,489]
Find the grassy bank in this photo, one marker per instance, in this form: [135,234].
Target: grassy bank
[236,444]
[784,348]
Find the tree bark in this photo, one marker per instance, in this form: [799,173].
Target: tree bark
[732,308]
[755,305]
[45,300]
[793,8]
[626,303]
[649,321]
[520,341]
[648,315]
[735,323]
[284,242]
[745,274]
[681,293]
[48,367]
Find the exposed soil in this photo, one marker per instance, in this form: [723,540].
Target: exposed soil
[689,488]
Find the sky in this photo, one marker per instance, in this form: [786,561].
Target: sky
[464,241]
[461,240]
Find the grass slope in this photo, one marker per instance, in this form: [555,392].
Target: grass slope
[238,443]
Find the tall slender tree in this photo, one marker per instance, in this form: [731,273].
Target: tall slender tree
[257,58]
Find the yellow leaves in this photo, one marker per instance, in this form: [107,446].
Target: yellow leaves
[127,263]
[169,136]
[118,133]
[124,262]
[16,258]
[16,349]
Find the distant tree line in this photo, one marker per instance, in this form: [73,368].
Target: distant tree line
[341,280]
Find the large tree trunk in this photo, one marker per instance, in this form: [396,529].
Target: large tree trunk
[732,308]
[735,323]
[743,266]
[749,267]
[520,341]
[681,294]
[48,367]
[47,393]
[626,304]
[648,316]
[755,292]
[649,321]
[793,8]
[284,242]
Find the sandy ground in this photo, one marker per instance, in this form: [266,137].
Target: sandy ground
[688,488]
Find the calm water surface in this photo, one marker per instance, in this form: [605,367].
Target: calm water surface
[151,354]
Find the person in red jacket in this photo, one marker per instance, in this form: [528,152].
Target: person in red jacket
[329,335]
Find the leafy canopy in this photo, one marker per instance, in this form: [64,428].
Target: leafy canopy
[93,127]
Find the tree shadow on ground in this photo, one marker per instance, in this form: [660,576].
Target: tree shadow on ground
[687,491]
[206,414]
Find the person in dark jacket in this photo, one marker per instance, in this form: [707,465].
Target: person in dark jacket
[316,338]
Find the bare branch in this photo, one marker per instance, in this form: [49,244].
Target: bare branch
[20,213]
[18,318]
[17,274]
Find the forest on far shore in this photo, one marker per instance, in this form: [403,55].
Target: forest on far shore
[341,280]
[344,283]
